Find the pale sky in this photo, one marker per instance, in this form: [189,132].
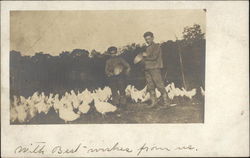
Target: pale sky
[56,31]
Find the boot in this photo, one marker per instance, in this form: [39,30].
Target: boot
[153,99]
[165,100]
[123,100]
[115,100]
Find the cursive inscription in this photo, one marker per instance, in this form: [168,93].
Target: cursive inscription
[60,150]
[80,149]
[146,148]
[115,147]
[35,148]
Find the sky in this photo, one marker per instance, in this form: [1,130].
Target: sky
[55,31]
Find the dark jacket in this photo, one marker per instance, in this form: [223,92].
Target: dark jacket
[153,60]
[112,62]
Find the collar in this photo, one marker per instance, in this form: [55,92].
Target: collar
[151,44]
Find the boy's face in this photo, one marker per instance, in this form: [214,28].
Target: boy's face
[149,40]
[113,52]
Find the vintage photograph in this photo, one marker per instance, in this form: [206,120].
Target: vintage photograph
[107,66]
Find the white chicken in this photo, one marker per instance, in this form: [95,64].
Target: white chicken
[173,91]
[21,113]
[158,93]
[202,91]
[32,111]
[169,90]
[75,100]
[190,93]
[23,109]
[56,103]
[102,94]
[84,108]
[137,95]
[85,99]
[104,107]
[65,110]
[67,114]
[39,106]
[86,96]
[50,99]
[43,105]
[15,101]
[13,114]
[22,100]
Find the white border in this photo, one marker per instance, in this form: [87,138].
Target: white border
[225,132]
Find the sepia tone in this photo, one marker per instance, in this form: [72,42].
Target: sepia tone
[58,63]
[52,68]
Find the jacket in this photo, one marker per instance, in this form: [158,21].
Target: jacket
[153,60]
[113,62]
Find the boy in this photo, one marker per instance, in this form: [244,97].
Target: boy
[153,65]
[117,70]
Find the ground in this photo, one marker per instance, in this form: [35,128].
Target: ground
[181,112]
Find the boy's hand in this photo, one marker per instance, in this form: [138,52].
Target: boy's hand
[144,54]
[127,71]
[109,74]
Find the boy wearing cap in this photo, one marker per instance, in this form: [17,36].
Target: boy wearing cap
[117,70]
[153,64]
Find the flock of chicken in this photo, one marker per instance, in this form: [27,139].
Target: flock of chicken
[172,91]
[24,109]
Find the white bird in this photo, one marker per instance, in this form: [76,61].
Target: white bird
[32,111]
[190,94]
[171,95]
[179,92]
[158,93]
[56,103]
[43,106]
[13,114]
[67,114]
[84,108]
[202,91]
[21,113]
[169,90]
[173,91]
[66,95]
[104,107]
[137,95]
[15,101]
[50,99]
[102,94]
[86,96]
[22,100]
[39,106]
[74,99]
[35,98]
[30,101]
[65,108]
[128,90]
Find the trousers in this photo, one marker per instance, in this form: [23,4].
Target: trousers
[117,83]
[154,80]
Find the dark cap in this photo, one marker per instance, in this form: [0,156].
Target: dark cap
[112,48]
[148,34]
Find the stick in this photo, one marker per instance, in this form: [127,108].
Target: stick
[182,73]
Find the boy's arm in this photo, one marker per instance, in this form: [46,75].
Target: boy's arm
[107,68]
[153,53]
[126,65]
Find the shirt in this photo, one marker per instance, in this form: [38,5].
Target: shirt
[153,60]
[113,62]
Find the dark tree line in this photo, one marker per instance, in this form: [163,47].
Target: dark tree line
[82,69]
